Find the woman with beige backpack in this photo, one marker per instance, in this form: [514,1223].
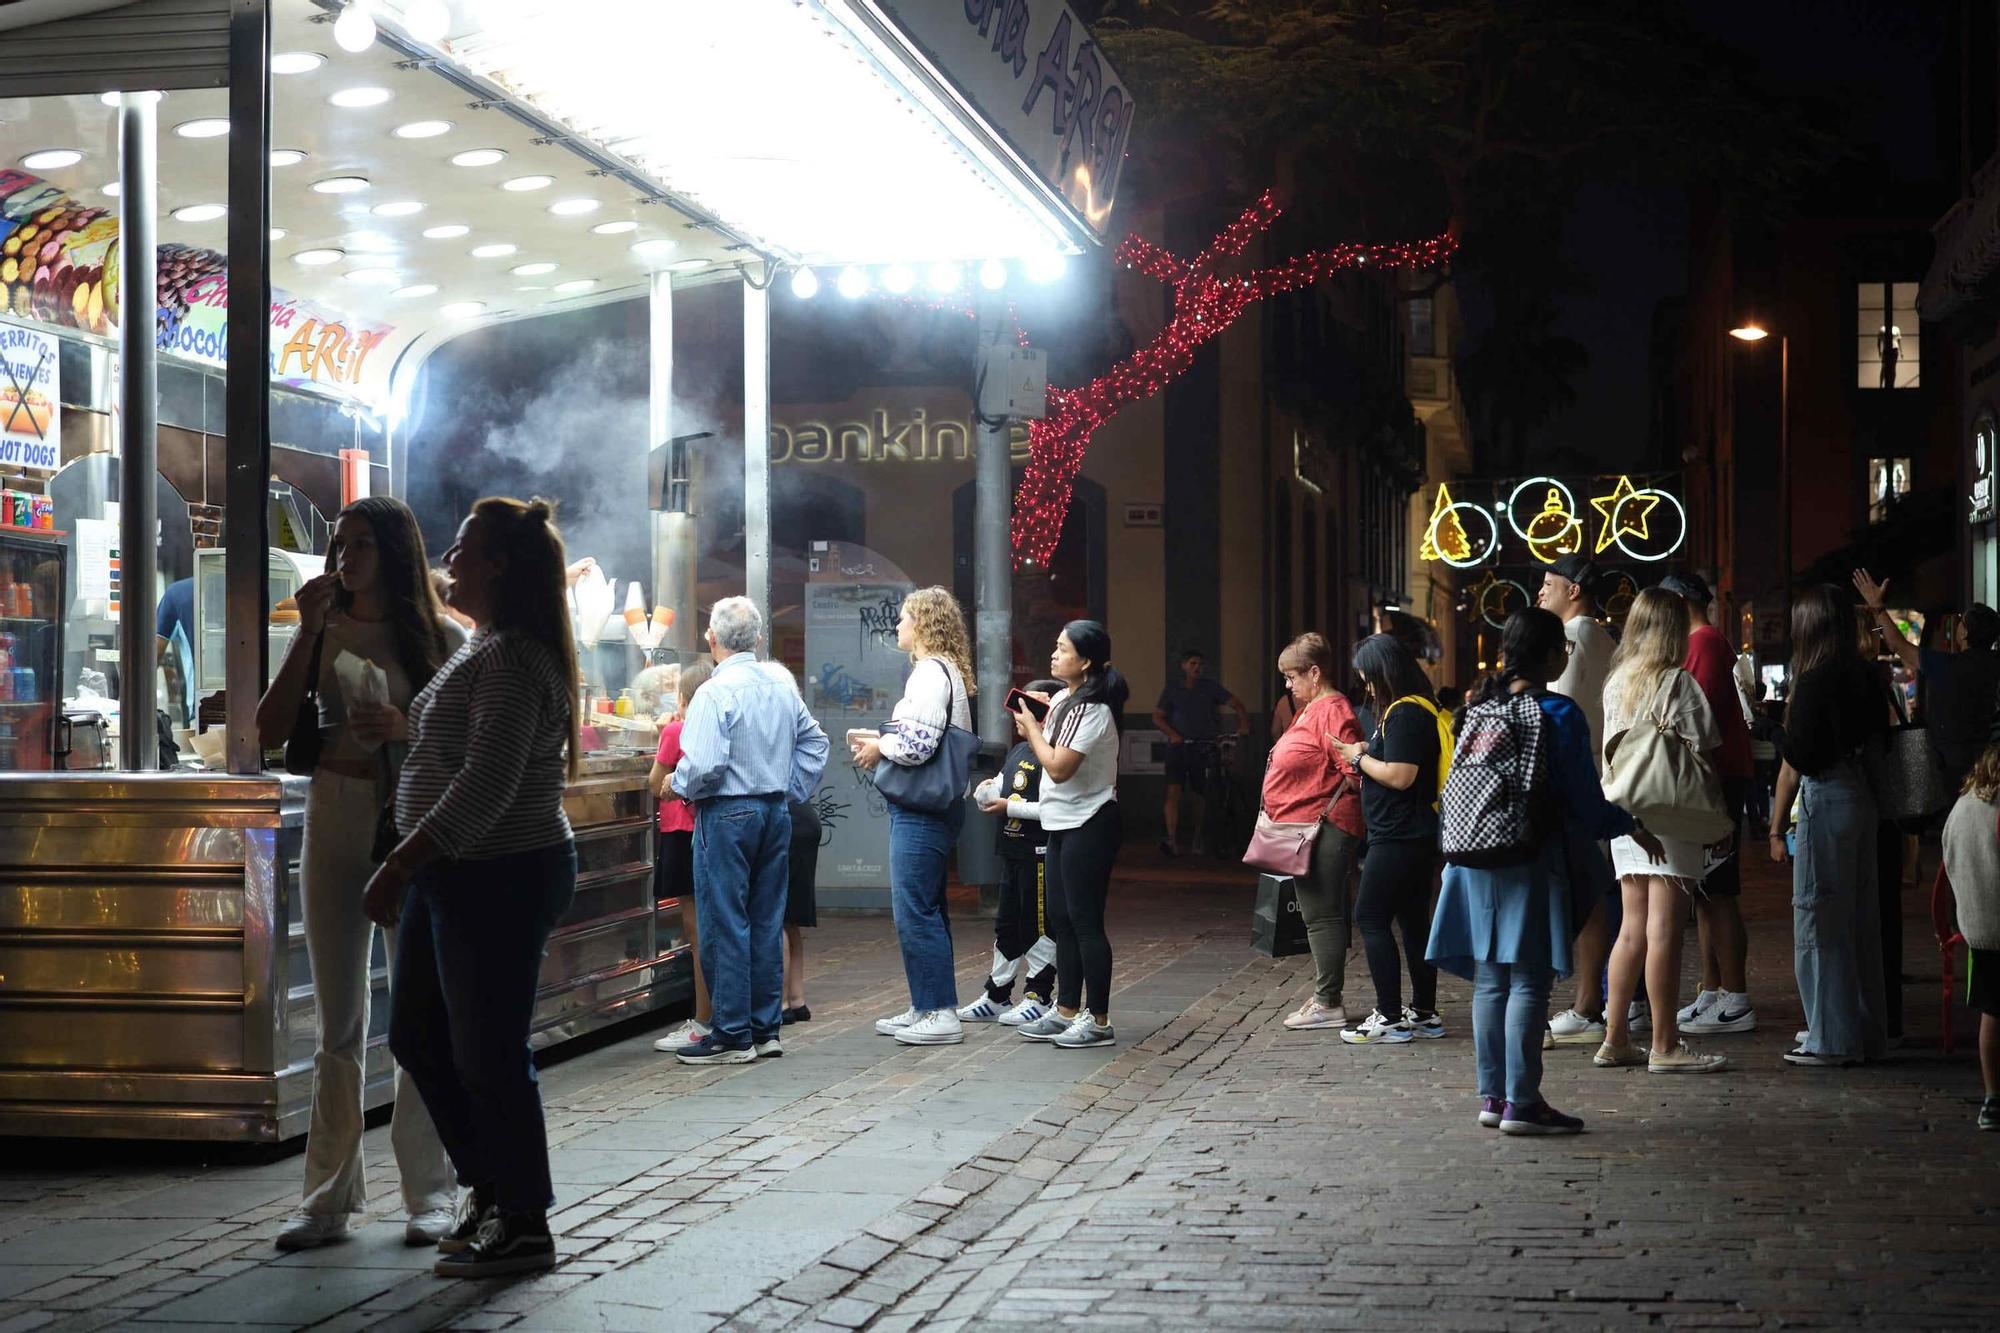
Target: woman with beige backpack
[1658,733]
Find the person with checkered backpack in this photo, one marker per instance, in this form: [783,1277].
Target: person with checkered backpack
[1521,821]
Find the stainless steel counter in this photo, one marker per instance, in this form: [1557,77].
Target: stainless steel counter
[153,972]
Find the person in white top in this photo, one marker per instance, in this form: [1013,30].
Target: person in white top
[938,693]
[1566,590]
[1648,688]
[375,602]
[1077,747]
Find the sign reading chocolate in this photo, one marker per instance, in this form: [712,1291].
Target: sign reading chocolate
[908,438]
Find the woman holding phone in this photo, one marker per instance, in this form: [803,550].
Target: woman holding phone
[377,602]
[1077,747]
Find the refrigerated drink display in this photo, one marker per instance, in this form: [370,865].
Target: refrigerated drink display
[31,591]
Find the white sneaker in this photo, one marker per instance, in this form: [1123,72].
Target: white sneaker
[1027,1011]
[1570,1028]
[1639,1015]
[687,1034]
[1376,1030]
[1086,1031]
[981,1010]
[428,1228]
[1681,1060]
[889,1027]
[1729,1013]
[305,1231]
[770,1048]
[937,1027]
[1700,1006]
[1313,1015]
[1800,1037]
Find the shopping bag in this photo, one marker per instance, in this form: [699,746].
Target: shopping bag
[1276,928]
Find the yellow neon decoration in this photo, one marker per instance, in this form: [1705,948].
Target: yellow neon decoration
[1554,532]
[1633,521]
[1444,536]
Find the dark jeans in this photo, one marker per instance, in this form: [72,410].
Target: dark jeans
[920,846]
[468,961]
[1889,888]
[742,861]
[1396,882]
[1078,882]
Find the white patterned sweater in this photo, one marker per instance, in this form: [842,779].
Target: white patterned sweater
[934,694]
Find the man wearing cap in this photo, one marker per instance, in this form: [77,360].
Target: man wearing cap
[1566,590]
[1722,1004]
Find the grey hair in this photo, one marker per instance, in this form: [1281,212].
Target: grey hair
[736,624]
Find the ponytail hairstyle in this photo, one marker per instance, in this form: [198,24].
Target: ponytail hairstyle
[1531,638]
[416,616]
[1101,682]
[532,596]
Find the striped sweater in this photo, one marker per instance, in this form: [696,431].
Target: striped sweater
[488,751]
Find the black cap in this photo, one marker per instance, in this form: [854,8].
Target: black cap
[1578,569]
[1688,586]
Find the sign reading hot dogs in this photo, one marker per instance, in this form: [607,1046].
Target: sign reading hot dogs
[30,403]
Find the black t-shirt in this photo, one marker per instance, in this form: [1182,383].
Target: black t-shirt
[1407,735]
[1836,710]
[1960,693]
[1020,775]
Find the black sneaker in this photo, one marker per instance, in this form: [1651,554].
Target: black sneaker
[507,1243]
[1167,847]
[801,1014]
[710,1050]
[472,1215]
[1989,1113]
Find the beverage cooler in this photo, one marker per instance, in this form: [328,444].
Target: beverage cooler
[31,590]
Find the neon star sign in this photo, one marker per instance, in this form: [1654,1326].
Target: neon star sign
[1645,523]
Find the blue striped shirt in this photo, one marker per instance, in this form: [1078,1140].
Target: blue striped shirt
[748,734]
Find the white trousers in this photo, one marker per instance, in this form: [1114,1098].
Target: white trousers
[340,825]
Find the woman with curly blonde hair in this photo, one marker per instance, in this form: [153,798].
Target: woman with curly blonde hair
[938,694]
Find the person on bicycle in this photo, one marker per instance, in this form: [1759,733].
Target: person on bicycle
[1186,716]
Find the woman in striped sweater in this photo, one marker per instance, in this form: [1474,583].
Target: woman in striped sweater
[485,869]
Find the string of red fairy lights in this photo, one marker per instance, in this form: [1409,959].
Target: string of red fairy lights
[1205,304]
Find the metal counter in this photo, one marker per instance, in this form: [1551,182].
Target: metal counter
[153,973]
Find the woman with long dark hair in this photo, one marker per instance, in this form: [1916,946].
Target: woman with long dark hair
[1077,747]
[1399,788]
[1835,712]
[1509,927]
[485,869]
[376,603]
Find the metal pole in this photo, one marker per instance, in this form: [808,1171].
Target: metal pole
[992,554]
[1785,483]
[247,397]
[757,448]
[138,432]
[674,549]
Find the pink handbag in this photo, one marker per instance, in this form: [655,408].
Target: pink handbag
[1286,848]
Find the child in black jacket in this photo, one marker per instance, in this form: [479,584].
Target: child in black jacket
[1020,934]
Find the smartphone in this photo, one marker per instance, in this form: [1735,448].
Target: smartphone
[1016,701]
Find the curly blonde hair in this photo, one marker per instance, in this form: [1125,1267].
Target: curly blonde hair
[940,631]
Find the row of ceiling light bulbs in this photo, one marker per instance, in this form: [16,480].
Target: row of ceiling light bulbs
[856,280]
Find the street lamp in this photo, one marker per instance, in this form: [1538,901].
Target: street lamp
[1750,331]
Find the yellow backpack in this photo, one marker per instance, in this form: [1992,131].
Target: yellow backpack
[1446,742]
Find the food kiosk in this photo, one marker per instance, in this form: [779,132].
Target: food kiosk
[333,202]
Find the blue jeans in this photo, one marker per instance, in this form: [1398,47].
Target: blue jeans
[1510,1012]
[468,962]
[1836,922]
[919,848]
[742,857]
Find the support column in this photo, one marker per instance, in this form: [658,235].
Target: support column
[757,446]
[992,550]
[674,549]
[246,516]
[138,431]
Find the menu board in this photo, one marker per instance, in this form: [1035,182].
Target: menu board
[854,675]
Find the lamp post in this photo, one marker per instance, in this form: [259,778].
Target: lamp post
[1752,332]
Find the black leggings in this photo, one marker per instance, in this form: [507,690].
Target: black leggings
[1078,881]
[1396,882]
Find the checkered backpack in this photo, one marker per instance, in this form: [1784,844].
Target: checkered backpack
[1496,809]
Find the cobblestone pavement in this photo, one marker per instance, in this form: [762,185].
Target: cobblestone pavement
[1210,1171]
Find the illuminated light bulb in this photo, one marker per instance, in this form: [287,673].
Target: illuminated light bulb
[576,285]
[498,250]
[805,284]
[614,228]
[422,129]
[898,278]
[296,62]
[199,213]
[427,20]
[415,289]
[522,184]
[461,309]
[402,208]
[571,208]
[1047,268]
[287,157]
[450,231]
[54,159]
[992,275]
[944,277]
[534,270]
[354,30]
[352,99]
[318,258]
[853,282]
[478,157]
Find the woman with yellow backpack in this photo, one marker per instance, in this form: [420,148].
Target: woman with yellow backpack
[1402,767]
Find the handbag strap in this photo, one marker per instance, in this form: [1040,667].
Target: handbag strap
[312,667]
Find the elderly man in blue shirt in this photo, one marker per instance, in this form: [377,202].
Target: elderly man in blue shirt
[747,745]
